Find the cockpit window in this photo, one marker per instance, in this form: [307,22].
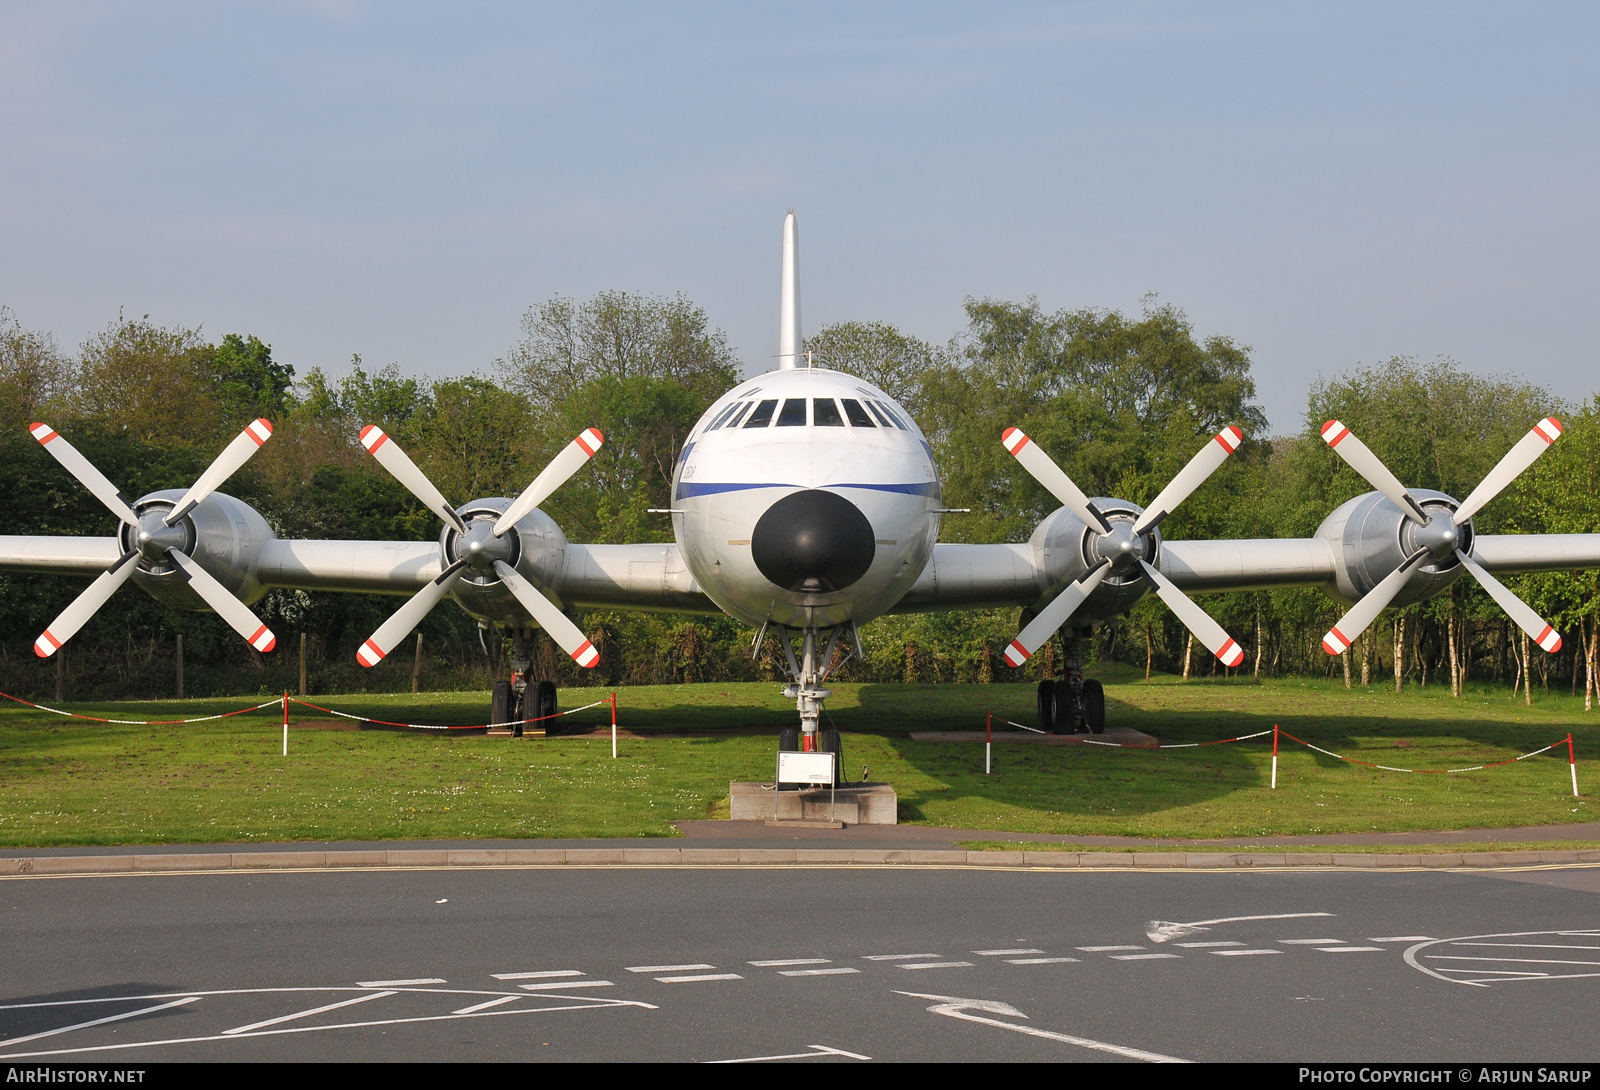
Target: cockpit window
[892,416]
[738,413]
[877,412]
[722,417]
[763,414]
[858,416]
[825,414]
[793,414]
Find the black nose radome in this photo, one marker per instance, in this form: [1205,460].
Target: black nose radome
[813,542]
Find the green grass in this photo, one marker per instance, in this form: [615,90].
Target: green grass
[68,782]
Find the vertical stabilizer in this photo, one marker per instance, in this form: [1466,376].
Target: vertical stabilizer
[789,301]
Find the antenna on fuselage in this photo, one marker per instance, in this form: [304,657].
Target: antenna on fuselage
[789,297]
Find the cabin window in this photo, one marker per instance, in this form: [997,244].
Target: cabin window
[763,414]
[793,414]
[825,414]
[858,416]
[722,417]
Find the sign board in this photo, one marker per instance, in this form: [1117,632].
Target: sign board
[812,768]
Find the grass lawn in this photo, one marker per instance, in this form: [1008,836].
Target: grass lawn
[69,782]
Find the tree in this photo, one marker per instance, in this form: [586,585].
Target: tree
[247,382]
[149,382]
[35,377]
[893,361]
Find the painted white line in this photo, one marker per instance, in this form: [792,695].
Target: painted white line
[1142,957]
[1491,972]
[1403,938]
[400,983]
[1513,961]
[565,985]
[1002,953]
[818,1051]
[1242,953]
[306,1013]
[897,957]
[1106,949]
[475,1008]
[836,971]
[542,974]
[697,977]
[951,1007]
[936,965]
[100,1021]
[1042,961]
[779,963]
[1312,942]
[1206,945]
[1350,949]
[668,968]
[1527,945]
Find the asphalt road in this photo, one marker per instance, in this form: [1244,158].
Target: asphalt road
[836,965]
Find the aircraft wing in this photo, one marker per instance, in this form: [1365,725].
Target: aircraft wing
[58,555]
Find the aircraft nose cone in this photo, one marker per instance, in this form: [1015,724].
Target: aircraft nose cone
[813,542]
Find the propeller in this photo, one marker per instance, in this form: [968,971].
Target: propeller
[157,538]
[1437,535]
[1121,545]
[484,547]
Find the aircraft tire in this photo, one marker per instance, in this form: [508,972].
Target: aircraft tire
[831,743]
[1047,706]
[1094,706]
[547,706]
[500,702]
[1066,710]
[789,740]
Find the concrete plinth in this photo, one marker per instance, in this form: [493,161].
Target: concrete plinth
[853,804]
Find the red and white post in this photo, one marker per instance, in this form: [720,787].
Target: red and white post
[1274,756]
[988,725]
[286,723]
[613,726]
[1572,764]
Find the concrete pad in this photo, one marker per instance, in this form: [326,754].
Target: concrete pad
[654,857]
[172,861]
[709,856]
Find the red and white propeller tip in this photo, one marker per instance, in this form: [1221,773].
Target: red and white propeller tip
[46,645]
[586,656]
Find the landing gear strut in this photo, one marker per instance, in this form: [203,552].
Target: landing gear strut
[806,674]
[523,698]
[1073,703]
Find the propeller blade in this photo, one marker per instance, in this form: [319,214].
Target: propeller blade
[1195,619]
[1518,610]
[562,466]
[404,470]
[1190,477]
[88,476]
[1046,472]
[1364,612]
[1366,463]
[229,608]
[233,456]
[551,619]
[1054,615]
[84,606]
[405,619]
[1517,459]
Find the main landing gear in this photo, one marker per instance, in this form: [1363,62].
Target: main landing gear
[523,697]
[806,674]
[1074,703]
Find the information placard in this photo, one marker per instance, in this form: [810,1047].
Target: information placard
[812,768]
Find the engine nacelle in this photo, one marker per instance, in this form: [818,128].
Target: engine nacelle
[1063,549]
[537,551]
[222,534]
[1370,538]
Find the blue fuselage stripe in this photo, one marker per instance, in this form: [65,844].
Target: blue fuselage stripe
[689,489]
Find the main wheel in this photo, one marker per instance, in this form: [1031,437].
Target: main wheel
[1066,710]
[1094,706]
[1047,706]
[829,743]
[500,701]
[547,706]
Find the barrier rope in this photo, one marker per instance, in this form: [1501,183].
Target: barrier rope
[441,726]
[1421,771]
[1132,745]
[273,703]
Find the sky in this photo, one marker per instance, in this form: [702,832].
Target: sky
[1331,184]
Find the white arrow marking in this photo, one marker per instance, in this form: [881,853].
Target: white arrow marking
[1163,931]
[818,1051]
[952,1007]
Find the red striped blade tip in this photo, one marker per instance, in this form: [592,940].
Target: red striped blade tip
[372,437]
[1230,438]
[1014,439]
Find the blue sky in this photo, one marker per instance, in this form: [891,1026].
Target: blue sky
[1331,184]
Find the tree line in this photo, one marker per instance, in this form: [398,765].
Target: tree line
[1122,401]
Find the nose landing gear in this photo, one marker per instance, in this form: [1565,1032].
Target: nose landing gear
[806,676]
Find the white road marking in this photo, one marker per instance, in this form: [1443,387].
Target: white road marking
[837,971]
[1312,942]
[779,963]
[306,1013]
[1350,949]
[400,983]
[1514,961]
[1163,930]
[100,1021]
[539,975]
[1527,945]
[817,1052]
[1404,938]
[697,977]
[1041,961]
[476,1007]
[565,985]
[1206,945]
[1242,953]
[1142,957]
[1002,953]
[668,968]
[951,1007]
[937,965]
[1441,972]
[1106,949]
[897,957]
